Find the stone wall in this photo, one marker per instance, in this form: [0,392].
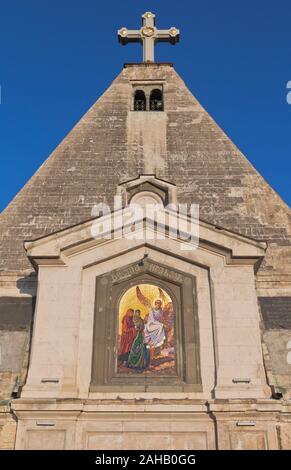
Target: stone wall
[8,425]
[276,326]
[15,327]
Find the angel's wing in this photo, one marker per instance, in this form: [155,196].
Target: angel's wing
[143,300]
[162,296]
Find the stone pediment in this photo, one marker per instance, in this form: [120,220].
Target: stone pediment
[55,248]
[164,191]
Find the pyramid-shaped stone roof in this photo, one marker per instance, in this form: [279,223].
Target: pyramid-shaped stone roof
[112,144]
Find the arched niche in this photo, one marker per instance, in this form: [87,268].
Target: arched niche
[116,293]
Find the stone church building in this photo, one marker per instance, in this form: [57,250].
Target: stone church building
[145,342]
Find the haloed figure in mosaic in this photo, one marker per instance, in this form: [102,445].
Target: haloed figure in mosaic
[150,348]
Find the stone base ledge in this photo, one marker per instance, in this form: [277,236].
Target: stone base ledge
[170,404]
[249,405]
[166,424]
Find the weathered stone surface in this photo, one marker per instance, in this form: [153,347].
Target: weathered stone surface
[12,346]
[7,429]
[15,326]
[276,316]
[284,434]
[278,343]
[14,349]
[276,312]
[16,313]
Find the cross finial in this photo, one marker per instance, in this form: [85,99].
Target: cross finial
[148,35]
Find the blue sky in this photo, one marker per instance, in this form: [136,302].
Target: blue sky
[57,57]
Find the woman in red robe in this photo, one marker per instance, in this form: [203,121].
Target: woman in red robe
[128,334]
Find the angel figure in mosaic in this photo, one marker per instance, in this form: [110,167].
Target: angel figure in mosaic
[154,331]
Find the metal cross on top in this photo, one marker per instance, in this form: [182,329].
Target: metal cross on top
[148,35]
